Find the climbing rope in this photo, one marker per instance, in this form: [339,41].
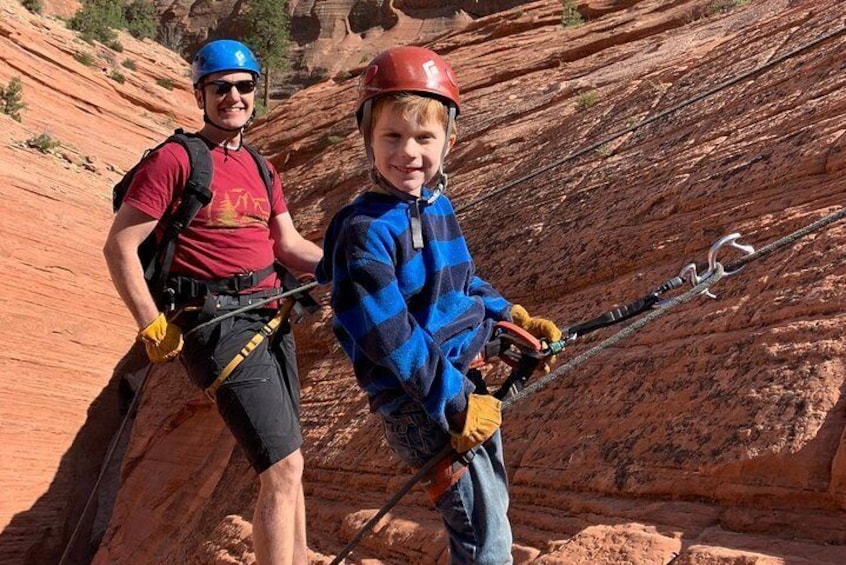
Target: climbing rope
[106,462]
[787,240]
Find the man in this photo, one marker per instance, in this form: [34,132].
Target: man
[223,260]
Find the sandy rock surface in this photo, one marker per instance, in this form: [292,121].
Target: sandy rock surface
[61,323]
[713,435]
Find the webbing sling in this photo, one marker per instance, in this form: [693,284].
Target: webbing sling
[265,332]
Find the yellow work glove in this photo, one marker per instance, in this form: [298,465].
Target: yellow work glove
[538,327]
[162,339]
[482,418]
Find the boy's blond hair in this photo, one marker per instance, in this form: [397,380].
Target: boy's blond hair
[413,107]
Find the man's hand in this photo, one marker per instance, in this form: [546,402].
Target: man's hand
[481,419]
[162,339]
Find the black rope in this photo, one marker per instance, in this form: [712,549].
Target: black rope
[658,116]
[787,240]
[106,462]
[659,311]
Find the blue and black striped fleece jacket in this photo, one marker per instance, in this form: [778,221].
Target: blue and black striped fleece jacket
[410,320]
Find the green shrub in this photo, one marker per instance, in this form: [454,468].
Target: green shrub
[586,100]
[97,19]
[130,64]
[141,19]
[570,16]
[33,6]
[165,83]
[117,76]
[11,99]
[43,143]
[84,58]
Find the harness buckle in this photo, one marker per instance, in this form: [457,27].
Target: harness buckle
[243,281]
[168,299]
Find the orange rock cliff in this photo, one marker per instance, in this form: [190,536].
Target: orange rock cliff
[713,435]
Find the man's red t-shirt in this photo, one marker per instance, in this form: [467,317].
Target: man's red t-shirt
[231,234]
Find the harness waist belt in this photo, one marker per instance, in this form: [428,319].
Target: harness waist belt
[233,301]
[186,288]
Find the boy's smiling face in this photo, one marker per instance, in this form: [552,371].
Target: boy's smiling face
[406,148]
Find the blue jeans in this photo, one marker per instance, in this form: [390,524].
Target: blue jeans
[475,509]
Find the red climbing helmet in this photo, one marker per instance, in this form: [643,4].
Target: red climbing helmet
[408,69]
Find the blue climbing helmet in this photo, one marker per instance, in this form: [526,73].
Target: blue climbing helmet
[223,55]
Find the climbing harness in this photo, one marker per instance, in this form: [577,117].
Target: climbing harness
[712,272]
[265,332]
[299,292]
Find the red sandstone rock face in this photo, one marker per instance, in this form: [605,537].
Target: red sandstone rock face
[329,37]
[62,326]
[713,435]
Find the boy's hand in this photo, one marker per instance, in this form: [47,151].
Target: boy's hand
[162,340]
[481,419]
[538,327]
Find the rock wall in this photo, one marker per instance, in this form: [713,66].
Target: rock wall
[62,326]
[329,37]
[714,435]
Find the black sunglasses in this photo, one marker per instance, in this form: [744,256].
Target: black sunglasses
[222,87]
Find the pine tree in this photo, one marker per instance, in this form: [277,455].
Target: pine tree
[266,24]
[11,98]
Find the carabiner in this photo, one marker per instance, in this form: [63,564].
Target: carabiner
[689,273]
[731,240]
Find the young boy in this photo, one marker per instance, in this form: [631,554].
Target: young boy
[408,309]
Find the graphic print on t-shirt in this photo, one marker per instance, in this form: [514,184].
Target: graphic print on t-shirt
[238,207]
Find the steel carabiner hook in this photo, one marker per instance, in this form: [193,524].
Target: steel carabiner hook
[689,272]
[731,240]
